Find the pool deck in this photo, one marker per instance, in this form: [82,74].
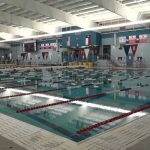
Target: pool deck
[23,136]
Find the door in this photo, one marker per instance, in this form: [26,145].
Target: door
[130,60]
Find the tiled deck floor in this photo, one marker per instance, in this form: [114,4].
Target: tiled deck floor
[34,138]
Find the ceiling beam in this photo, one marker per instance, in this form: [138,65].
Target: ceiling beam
[16,31]
[120,9]
[51,12]
[20,21]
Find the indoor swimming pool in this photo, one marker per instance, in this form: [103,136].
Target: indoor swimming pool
[67,118]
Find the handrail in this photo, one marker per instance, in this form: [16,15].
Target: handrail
[112,58]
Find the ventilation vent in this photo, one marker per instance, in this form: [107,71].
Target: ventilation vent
[122,28]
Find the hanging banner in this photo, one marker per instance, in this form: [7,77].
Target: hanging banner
[81,52]
[46,55]
[47,45]
[122,39]
[86,52]
[76,53]
[137,38]
[10,55]
[26,54]
[29,55]
[143,38]
[132,39]
[88,40]
[23,55]
[50,54]
[43,54]
[126,49]
[42,46]
[134,48]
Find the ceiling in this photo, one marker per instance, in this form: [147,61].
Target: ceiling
[21,18]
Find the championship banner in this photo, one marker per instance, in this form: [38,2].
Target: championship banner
[42,46]
[134,48]
[46,55]
[43,54]
[143,38]
[81,52]
[122,39]
[126,49]
[86,52]
[132,39]
[26,54]
[47,45]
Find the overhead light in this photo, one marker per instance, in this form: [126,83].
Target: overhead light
[79,30]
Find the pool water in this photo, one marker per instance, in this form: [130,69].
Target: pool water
[66,119]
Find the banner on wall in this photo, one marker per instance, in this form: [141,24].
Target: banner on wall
[88,40]
[43,54]
[143,38]
[126,49]
[134,48]
[68,40]
[132,39]
[81,52]
[122,39]
[42,46]
[26,54]
[47,45]
[46,55]
[86,52]
[23,55]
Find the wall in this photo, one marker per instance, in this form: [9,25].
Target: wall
[79,40]
[143,49]
[17,50]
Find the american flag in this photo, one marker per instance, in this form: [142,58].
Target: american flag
[142,95]
[68,40]
[131,94]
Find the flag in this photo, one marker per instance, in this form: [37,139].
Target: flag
[68,41]
[51,45]
[8,57]
[143,38]
[86,52]
[132,39]
[134,48]
[126,49]
[50,54]
[23,55]
[88,91]
[42,46]
[47,45]
[26,54]
[137,38]
[122,39]
[131,94]
[43,54]
[142,95]
[88,40]
[81,52]
[46,55]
